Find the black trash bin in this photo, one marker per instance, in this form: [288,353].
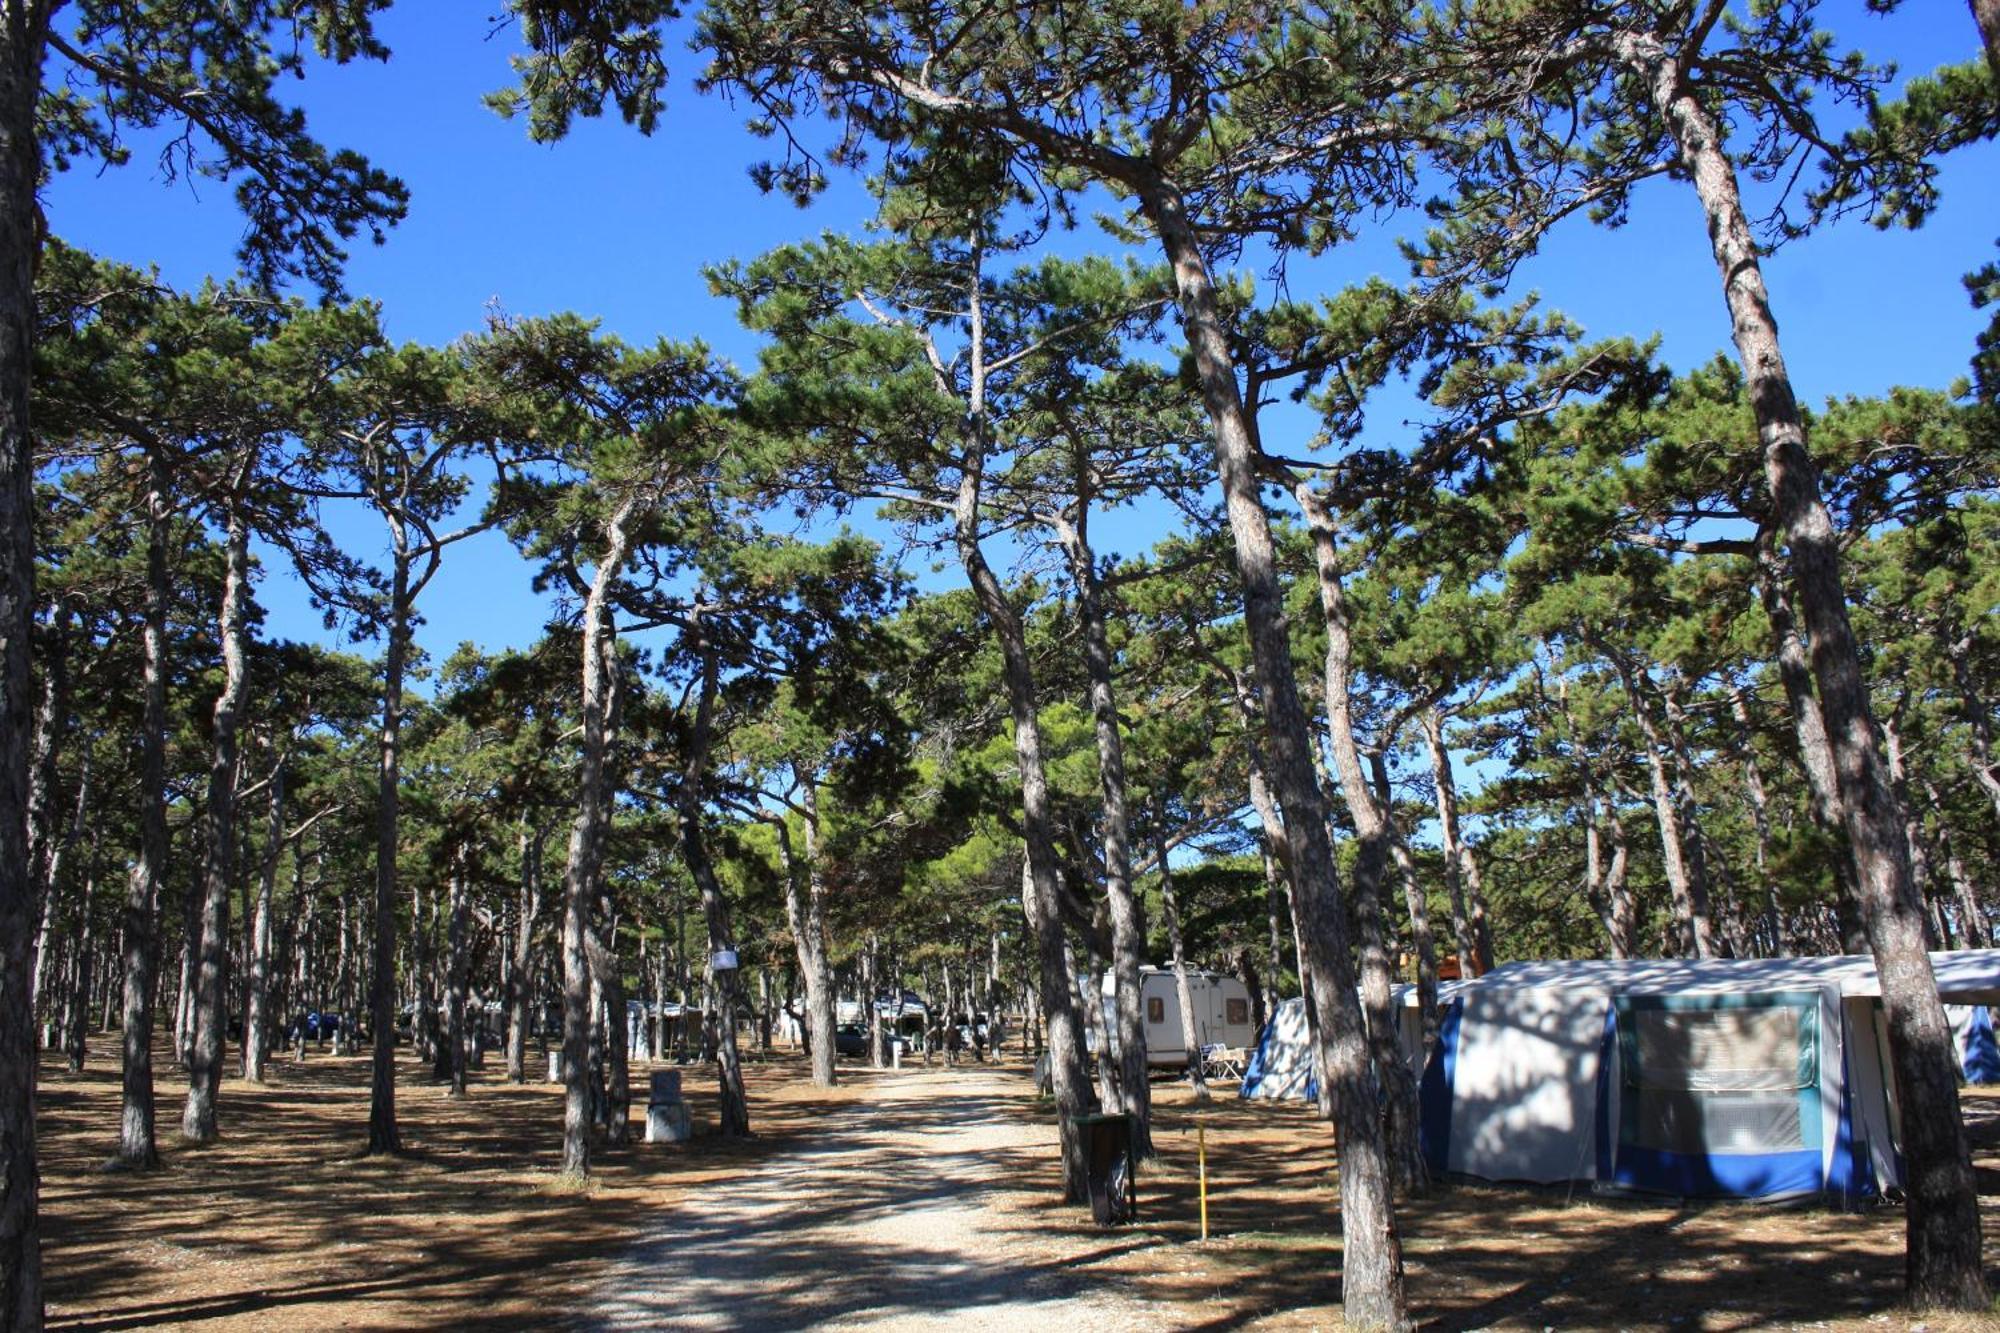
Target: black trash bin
[1111,1166]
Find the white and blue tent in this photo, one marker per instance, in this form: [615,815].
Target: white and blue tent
[1745,1078]
[1282,1065]
[1281,1068]
[1978,1048]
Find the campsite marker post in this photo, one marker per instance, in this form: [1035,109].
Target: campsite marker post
[1201,1170]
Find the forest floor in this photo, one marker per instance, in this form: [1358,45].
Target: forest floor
[899,1200]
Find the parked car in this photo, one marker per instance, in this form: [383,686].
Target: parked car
[850,1039]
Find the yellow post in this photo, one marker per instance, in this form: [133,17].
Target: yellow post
[1201,1166]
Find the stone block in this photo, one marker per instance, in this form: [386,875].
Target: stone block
[668,1122]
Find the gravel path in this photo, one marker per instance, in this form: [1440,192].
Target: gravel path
[889,1218]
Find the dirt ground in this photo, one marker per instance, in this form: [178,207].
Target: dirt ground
[899,1200]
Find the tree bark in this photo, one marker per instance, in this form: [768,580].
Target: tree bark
[20,1227]
[1183,991]
[520,980]
[1373,837]
[51,725]
[1986,13]
[77,1012]
[21,49]
[1607,893]
[1691,919]
[1421,938]
[1041,888]
[1971,915]
[383,1136]
[1816,762]
[1943,1257]
[1128,931]
[734,1106]
[1469,927]
[610,980]
[1978,720]
[136,1146]
[211,998]
[586,839]
[1372,1274]
[256,1010]
[50,875]
[1913,834]
[806,914]
[1774,941]
[456,980]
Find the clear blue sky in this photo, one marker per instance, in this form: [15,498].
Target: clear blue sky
[618,227]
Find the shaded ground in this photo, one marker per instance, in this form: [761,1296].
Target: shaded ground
[894,1213]
[904,1200]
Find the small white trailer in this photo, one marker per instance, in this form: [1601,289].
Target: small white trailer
[1221,1013]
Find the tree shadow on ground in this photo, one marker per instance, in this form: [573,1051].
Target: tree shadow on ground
[281,1225]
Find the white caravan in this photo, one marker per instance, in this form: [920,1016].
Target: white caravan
[1221,1012]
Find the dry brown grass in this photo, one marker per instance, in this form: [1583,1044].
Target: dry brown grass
[281,1226]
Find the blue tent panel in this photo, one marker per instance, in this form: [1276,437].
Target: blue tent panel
[1260,1061]
[1982,1052]
[1434,1094]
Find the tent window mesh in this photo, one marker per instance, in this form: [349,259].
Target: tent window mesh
[1723,1080]
[1721,1050]
[1722,1122]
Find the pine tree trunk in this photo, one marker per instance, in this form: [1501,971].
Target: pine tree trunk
[1978,722]
[456,980]
[256,1009]
[1971,916]
[1828,809]
[52,860]
[21,40]
[1943,1257]
[807,913]
[1372,1274]
[1774,942]
[734,1106]
[136,1146]
[1421,938]
[520,980]
[51,725]
[1128,930]
[383,1136]
[1272,826]
[1274,913]
[77,1013]
[1041,885]
[211,995]
[1691,920]
[617,1108]
[1183,991]
[425,981]
[1986,13]
[586,842]
[1913,834]
[1371,863]
[1469,928]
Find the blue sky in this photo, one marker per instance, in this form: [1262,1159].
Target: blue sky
[618,227]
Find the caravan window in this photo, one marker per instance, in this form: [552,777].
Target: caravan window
[1237,1012]
[1156,1009]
